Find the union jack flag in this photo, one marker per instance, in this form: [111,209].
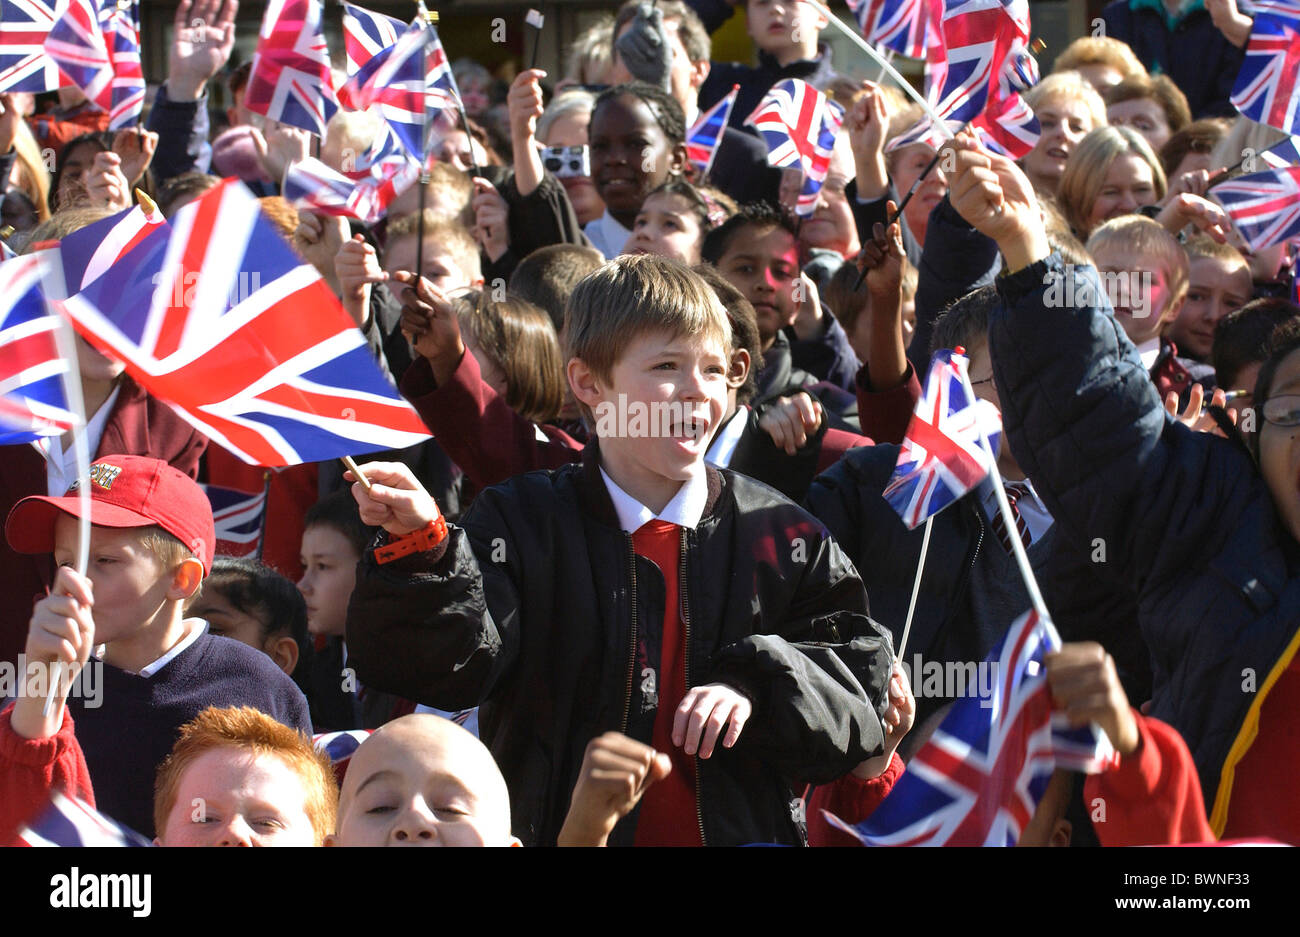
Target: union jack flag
[985,63]
[1266,89]
[244,339]
[118,20]
[706,133]
[941,457]
[799,124]
[240,517]
[366,35]
[1265,206]
[310,185]
[76,44]
[979,779]
[24,66]
[1283,153]
[291,81]
[895,24]
[69,821]
[88,253]
[412,84]
[35,356]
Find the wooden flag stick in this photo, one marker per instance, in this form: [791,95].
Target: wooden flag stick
[356,473]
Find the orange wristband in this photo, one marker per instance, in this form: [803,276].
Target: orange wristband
[417,541]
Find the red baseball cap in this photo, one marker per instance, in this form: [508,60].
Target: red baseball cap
[125,491]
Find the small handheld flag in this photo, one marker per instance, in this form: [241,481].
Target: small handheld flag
[980,777]
[941,457]
[799,124]
[290,80]
[1265,206]
[69,821]
[1268,84]
[705,135]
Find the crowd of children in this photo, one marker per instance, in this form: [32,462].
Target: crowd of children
[643,586]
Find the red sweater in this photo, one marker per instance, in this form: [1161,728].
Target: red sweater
[31,768]
[852,800]
[1153,798]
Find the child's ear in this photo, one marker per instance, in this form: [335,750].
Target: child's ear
[583,382]
[677,161]
[284,651]
[1061,834]
[740,365]
[699,73]
[186,580]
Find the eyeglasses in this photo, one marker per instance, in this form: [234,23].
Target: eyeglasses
[1283,410]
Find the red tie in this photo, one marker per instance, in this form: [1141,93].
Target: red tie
[1015,491]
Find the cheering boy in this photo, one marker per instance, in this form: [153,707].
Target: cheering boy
[639,591]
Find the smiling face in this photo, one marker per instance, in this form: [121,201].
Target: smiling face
[763,263]
[1129,185]
[1139,294]
[669,226]
[677,385]
[329,574]
[422,780]
[1216,286]
[1064,122]
[234,797]
[1279,446]
[906,167]
[1145,115]
[630,155]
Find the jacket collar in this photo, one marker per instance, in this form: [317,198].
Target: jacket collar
[810,70]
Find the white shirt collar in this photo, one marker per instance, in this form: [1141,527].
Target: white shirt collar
[1149,351]
[61,464]
[685,509]
[196,627]
[723,447]
[608,236]
[1031,507]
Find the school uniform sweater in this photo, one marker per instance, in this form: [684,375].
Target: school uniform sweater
[128,736]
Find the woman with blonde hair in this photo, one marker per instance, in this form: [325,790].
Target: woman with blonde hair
[1112,172]
[25,177]
[1067,108]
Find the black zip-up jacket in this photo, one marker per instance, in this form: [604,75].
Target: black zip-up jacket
[534,611]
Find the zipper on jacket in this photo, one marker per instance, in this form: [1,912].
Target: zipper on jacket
[631,643]
[686,619]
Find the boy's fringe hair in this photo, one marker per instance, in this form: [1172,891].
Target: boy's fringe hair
[1202,245]
[634,294]
[246,729]
[439,229]
[1136,237]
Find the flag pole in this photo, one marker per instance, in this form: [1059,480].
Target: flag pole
[886,68]
[537,37]
[1004,507]
[916,184]
[266,512]
[66,343]
[429,18]
[356,473]
[916,587]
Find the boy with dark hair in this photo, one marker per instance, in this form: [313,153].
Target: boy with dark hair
[151,545]
[334,538]
[686,600]
[1242,343]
